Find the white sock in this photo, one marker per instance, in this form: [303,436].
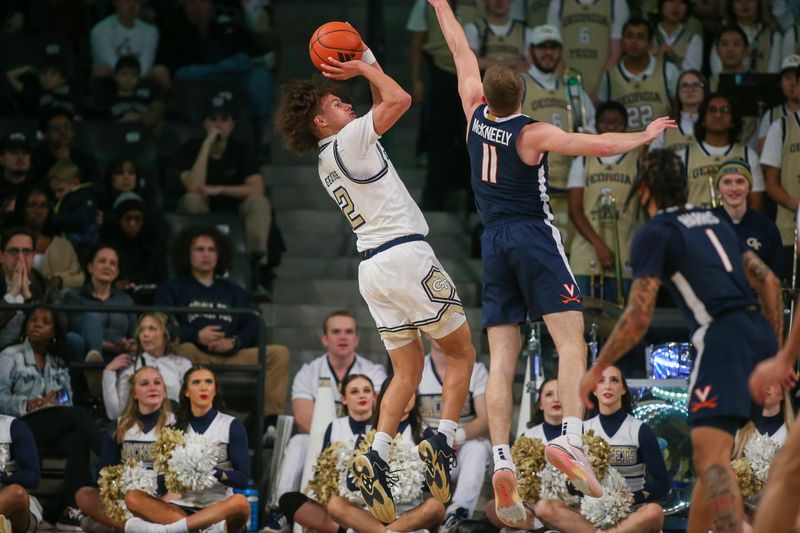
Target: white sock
[502,457]
[381,445]
[178,527]
[448,429]
[572,427]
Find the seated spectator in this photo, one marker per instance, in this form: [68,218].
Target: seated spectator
[199,412]
[135,232]
[20,510]
[125,34]
[21,283]
[498,39]
[691,89]
[732,47]
[155,345]
[15,159]
[763,40]
[147,411]
[674,40]
[644,472]
[200,257]
[791,97]
[59,134]
[44,88]
[35,385]
[203,45]
[473,449]
[220,175]
[132,102]
[54,256]
[122,175]
[76,213]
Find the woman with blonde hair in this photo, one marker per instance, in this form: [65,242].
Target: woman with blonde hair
[147,411]
[156,342]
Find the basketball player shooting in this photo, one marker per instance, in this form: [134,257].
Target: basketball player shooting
[525,271]
[402,282]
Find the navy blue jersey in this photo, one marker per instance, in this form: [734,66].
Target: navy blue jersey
[505,187]
[699,257]
[759,234]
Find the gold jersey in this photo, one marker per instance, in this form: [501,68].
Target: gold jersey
[679,45]
[645,99]
[511,45]
[701,166]
[435,45]
[586,32]
[790,175]
[677,139]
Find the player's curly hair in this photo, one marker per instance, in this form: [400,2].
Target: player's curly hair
[664,176]
[300,102]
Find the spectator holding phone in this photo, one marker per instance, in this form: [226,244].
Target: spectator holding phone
[35,385]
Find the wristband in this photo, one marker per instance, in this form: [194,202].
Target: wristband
[368,57]
[461,436]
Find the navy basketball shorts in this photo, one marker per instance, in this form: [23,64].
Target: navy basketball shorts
[728,349]
[525,273]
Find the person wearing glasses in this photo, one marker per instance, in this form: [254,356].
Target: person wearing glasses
[57,126]
[718,133]
[691,91]
[20,282]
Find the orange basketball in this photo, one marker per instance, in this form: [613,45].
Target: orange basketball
[337,40]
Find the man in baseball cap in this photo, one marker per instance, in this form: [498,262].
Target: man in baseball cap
[15,159]
[733,182]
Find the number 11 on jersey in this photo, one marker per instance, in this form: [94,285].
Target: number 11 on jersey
[489,163]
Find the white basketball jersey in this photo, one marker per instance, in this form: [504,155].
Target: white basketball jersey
[357,174]
[138,444]
[429,393]
[624,448]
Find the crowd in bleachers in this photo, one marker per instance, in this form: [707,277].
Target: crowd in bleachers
[132,130]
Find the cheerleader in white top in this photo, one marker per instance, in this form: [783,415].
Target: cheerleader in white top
[199,413]
[545,425]
[358,400]
[147,411]
[427,515]
[19,512]
[155,344]
[635,454]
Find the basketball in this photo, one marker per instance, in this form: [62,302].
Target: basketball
[338,40]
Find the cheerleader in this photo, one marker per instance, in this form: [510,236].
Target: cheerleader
[19,512]
[146,412]
[199,413]
[545,425]
[358,400]
[428,514]
[634,453]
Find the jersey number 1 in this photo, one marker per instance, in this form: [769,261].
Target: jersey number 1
[489,163]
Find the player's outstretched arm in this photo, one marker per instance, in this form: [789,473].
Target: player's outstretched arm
[470,88]
[628,331]
[768,287]
[393,101]
[543,137]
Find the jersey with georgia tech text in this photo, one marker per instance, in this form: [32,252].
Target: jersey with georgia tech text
[586,31]
[699,257]
[551,106]
[790,175]
[378,206]
[702,165]
[496,46]
[505,187]
[645,100]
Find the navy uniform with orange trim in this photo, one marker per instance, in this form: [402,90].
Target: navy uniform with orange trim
[525,269]
[698,255]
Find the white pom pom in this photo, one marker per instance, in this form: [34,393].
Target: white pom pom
[404,462]
[760,451]
[4,456]
[137,477]
[613,506]
[194,462]
[553,486]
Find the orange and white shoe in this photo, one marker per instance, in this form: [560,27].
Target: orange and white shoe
[507,503]
[574,464]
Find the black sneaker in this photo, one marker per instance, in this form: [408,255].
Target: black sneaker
[373,479]
[70,519]
[438,458]
[454,519]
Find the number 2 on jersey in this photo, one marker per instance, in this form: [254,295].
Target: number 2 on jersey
[347,207]
[489,163]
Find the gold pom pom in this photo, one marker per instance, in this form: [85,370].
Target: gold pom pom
[528,456]
[168,440]
[749,484]
[599,453]
[325,482]
[111,491]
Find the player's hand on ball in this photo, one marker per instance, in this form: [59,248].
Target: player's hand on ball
[776,371]
[341,71]
[655,128]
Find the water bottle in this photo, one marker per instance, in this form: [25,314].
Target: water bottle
[251,493]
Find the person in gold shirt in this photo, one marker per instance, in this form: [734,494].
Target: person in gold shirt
[597,190]
[691,91]
[498,38]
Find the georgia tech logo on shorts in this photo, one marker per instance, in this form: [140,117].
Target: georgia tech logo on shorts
[439,288]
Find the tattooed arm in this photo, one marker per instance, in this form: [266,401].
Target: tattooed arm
[768,288]
[629,330]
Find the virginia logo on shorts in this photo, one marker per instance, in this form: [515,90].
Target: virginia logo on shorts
[439,288]
[572,298]
[704,402]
